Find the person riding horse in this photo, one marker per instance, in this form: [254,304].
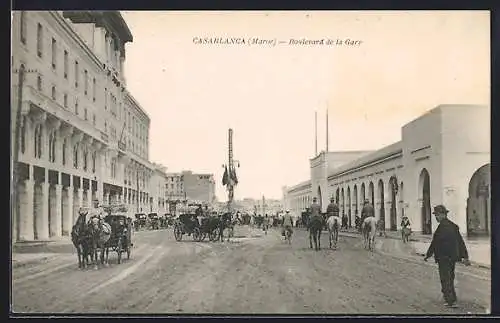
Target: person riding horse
[287,224]
[333,221]
[367,211]
[315,224]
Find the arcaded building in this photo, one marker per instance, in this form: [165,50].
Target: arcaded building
[443,158]
[82,135]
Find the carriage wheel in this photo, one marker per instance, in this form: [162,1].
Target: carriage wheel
[119,250]
[196,234]
[212,235]
[178,232]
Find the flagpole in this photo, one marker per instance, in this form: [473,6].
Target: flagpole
[315,133]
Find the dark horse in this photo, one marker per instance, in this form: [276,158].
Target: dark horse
[315,226]
[100,232]
[226,222]
[80,239]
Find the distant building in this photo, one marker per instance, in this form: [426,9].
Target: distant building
[199,187]
[158,198]
[190,186]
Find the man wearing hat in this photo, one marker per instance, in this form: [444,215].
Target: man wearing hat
[332,209]
[315,208]
[448,247]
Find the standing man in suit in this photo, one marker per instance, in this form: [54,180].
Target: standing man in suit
[448,247]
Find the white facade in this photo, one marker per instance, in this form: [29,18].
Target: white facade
[159,203]
[82,136]
[443,158]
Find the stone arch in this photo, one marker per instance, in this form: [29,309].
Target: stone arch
[337,196]
[382,202]
[371,193]
[363,193]
[393,191]
[479,203]
[424,193]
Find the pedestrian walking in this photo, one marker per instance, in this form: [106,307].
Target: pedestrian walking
[448,247]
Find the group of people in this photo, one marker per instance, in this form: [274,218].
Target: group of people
[447,245]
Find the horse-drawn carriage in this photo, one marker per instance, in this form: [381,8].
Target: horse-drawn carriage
[121,234]
[154,221]
[141,221]
[194,224]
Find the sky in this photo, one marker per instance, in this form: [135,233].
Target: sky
[404,64]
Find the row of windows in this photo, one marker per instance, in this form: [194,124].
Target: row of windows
[135,127]
[113,101]
[38,148]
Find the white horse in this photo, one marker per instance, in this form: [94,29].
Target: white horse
[333,224]
[369,229]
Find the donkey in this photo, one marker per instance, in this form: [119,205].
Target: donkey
[369,228]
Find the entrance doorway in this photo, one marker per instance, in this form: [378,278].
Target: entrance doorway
[393,185]
[479,203]
[425,190]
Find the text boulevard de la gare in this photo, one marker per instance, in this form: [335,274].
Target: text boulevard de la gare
[257,41]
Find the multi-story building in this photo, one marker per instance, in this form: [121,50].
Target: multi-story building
[80,134]
[158,190]
[199,187]
[174,187]
[443,157]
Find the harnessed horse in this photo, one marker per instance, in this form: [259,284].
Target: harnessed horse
[333,224]
[315,227]
[226,222]
[80,239]
[369,228]
[100,232]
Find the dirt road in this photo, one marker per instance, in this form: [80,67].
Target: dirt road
[252,274]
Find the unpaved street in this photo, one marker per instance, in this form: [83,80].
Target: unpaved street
[254,273]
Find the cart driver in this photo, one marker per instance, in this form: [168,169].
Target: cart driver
[97,210]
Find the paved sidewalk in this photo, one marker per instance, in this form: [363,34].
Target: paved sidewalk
[479,250]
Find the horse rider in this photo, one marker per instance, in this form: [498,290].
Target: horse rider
[332,209]
[287,222]
[315,208]
[367,211]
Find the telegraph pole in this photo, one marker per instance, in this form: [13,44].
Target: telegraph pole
[231,172]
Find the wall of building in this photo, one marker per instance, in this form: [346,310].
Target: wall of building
[450,143]
[71,112]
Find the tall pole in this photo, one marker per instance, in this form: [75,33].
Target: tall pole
[315,133]
[327,128]
[230,167]
[15,154]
